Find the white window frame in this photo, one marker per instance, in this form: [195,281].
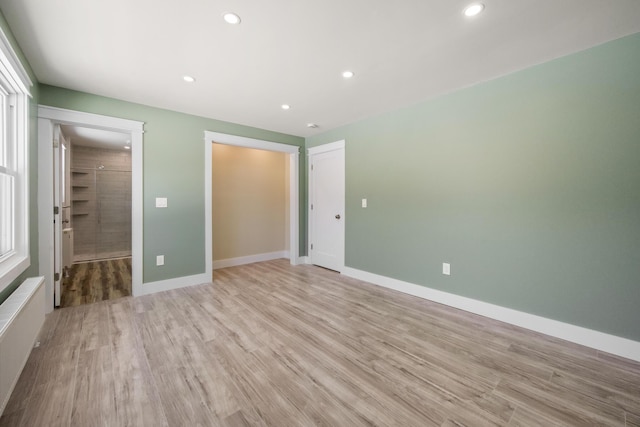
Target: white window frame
[15,81]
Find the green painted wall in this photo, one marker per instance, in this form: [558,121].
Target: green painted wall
[529,185]
[173,168]
[33,164]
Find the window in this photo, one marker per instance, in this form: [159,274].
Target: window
[14,185]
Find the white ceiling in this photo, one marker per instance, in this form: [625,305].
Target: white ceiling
[294,51]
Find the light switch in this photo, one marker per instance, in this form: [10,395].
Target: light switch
[364,203]
[160,260]
[446,268]
[161,202]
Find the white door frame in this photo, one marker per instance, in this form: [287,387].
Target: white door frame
[58,172]
[324,148]
[47,118]
[241,141]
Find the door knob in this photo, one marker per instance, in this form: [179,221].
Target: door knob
[338,216]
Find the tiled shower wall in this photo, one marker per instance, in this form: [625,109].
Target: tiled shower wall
[100,203]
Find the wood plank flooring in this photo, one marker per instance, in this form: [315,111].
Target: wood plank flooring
[94,281]
[269,344]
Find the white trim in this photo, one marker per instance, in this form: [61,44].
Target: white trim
[241,141]
[208,214]
[17,84]
[169,284]
[64,116]
[304,260]
[598,340]
[18,74]
[16,264]
[294,208]
[13,269]
[47,116]
[45,208]
[249,259]
[324,148]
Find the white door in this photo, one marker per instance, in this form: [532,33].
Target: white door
[59,194]
[326,208]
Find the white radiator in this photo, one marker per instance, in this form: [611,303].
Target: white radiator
[21,318]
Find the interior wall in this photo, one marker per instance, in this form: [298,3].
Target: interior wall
[528,185]
[248,202]
[173,168]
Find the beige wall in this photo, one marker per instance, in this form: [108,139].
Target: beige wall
[249,200]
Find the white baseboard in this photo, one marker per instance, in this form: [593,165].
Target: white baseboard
[303,260]
[598,340]
[167,285]
[232,262]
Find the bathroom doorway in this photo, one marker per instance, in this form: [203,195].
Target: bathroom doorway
[96,238]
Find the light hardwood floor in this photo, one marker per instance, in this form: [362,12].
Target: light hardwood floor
[273,345]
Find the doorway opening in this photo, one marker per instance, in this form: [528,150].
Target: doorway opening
[108,241]
[96,238]
[249,205]
[292,159]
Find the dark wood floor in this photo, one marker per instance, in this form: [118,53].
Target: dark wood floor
[268,344]
[94,281]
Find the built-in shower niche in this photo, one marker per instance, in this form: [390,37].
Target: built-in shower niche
[100,203]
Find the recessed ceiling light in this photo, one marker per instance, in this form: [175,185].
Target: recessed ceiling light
[285,106]
[347,74]
[127,147]
[188,79]
[473,9]
[312,125]
[231,18]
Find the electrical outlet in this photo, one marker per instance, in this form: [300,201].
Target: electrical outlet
[364,203]
[446,269]
[160,260]
[161,202]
